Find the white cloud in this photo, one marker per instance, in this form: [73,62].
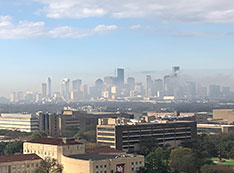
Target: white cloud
[133,27]
[26,29]
[208,11]
[101,28]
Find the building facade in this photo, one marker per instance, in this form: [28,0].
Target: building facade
[19,122]
[121,135]
[225,114]
[74,159]
[20,163]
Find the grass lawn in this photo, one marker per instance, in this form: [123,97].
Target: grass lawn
[228,162]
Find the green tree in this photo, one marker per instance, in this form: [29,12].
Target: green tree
[157,161]
[37,134]
[13,147]
[2,146]
[183,160]
[49,167]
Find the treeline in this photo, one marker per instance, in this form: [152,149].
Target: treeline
[192,157]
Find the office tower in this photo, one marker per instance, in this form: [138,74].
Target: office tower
[168,86]
[98,87]
[13,97]
[214,91]
[43,89]
[76,85]
[190,89]
[131,83]
[109,80]
[49,91]
[158,87]
[149,85]
[84,90]
[201,91]
[226,91]
[65,90]
[175,69]
[20,96]
[120,76]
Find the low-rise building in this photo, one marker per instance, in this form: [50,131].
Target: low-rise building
[74,159]
[225,114]
[214,128]
[20,163]
[126,135]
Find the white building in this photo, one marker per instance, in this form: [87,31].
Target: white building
[19,122]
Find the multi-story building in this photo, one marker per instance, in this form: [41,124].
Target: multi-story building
[19,163]
[124,135]
[19,122]
[81,120]
[74,159]
[43,90]
[214,128]
[49,89]
[225,114]
[48,123]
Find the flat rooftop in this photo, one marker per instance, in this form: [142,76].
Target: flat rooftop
[19,157]
[93,156]
[54,141]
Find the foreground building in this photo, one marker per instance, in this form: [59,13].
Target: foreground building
[19,122]
[123,134]
[73,157]
[20,163]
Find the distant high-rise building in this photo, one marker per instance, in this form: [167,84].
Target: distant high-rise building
[109,80]
[98,87]
[49,90]
[158,87]
[175,69]
[214,91]
[131,83]
[65,90]
[76,85]
[43,89]
[226,91]
[13,97]
[120,76]
[191,89]
[149,85]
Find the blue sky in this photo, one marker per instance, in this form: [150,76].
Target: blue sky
[88,39]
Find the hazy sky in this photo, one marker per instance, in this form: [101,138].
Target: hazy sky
[88,39]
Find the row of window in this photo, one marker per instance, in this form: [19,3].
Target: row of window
[106,139]
[106,134]
[106,129]
[40,152]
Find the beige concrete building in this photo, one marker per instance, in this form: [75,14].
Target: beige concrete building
[123,134]
[73,157]
[214,128]
[225,114]
[19,122]
[21,163]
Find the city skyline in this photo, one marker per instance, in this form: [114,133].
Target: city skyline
[174,85]
[40,38]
